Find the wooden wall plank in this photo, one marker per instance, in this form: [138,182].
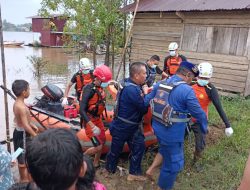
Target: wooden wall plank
[241,46]
[202,40]
[216,57]
[234,66]
[156,38]
[157,24]
[156,15]
[247,84]
[160,20]
[234,41]
[157,34]
[228,76]
[142,28]
[228,82]
[229,88]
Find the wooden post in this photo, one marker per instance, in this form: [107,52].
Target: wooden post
[124,36]
[128,38]
[4,83]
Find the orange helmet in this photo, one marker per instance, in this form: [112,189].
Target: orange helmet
[103,73]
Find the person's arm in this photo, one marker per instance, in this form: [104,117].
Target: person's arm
[196,111]
[215,98]
[69,85]
[183,58]
[245,182]
[25,121]
[158,70]
[66,93]
[165,75]
[86,95]
[165,67]
[151,95]
[135,95]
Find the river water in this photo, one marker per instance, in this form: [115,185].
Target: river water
[59,70]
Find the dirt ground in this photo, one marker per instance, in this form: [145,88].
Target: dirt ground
[118,181]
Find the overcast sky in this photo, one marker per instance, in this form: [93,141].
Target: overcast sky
[16,11]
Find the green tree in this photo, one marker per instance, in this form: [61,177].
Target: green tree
[98,20]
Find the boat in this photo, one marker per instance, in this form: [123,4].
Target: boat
[13,43]
[52,117]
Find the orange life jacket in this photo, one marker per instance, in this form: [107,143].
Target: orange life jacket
[96,104]
[173,64]
[82,80]
[202,97]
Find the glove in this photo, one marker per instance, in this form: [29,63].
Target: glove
[229,131]
[96,131]
[65,102]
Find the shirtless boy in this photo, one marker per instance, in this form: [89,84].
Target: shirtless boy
[23,126]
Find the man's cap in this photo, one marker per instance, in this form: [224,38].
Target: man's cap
[191,67]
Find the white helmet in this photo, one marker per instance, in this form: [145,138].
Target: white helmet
[205,70]
[173,46]
[85,63]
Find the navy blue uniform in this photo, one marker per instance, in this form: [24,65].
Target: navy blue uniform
[132,108]
[182,98]
[151,74]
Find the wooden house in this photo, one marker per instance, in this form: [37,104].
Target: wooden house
[206,30]
[51,29]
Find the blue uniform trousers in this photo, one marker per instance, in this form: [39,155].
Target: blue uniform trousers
[136,145]
[173,162]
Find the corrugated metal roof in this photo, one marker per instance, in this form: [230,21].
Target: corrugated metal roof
[188,5]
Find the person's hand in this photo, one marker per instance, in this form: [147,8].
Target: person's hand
[13,163]
[229,131]
[65,101]
[35,128]
[145,88]
[96,131]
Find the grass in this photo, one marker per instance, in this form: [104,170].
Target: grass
[225,160]
[224,157]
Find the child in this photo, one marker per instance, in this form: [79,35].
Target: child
[23,126]
[88,182]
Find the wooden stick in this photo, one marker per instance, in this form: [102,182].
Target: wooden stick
[4,83]
[128,38]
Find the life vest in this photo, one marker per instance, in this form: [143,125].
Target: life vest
[151,75]
[96,104]
[201,95]
[121,86]
[162,111]
[82,80]
[173,64]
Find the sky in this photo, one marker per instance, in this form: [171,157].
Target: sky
[16,11]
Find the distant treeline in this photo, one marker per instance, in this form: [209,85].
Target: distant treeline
[7,26]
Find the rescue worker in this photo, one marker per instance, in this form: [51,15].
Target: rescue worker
[153,69]
[83,77]
[205,93]
[92,105]
[172,101]
[172,62]
[127,123]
